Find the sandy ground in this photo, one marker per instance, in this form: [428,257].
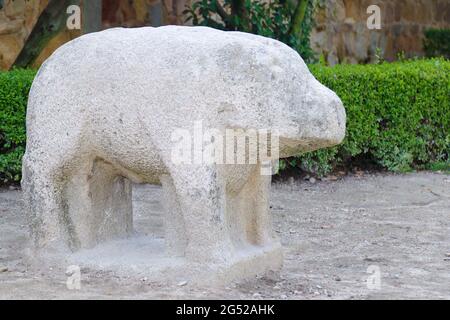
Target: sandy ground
[332,232]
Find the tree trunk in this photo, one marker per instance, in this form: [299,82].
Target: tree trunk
[299,16]
[51,21]
[238,9]
[92,16]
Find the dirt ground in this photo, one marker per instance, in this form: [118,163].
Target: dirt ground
[335,235]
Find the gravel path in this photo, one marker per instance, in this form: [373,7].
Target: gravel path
[334,233]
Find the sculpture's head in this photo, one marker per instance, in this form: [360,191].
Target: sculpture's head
[286,98]
[307,115]
[310,116]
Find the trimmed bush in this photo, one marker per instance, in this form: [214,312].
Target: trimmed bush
[398,115]
[14,88]
[437,43]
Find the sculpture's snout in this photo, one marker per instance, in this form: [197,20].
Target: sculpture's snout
[336,119]
[325,116]
[318,120]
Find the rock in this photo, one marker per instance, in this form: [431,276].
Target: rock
[312,180]
[182,283]
[132,123]
[340,33]
[3,269]
[283,296]
[359,173]
[9,47]
[14,8]
[256,295]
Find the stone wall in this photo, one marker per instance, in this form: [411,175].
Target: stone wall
[341,32]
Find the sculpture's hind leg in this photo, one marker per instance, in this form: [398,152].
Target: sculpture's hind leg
[98,204]
[42,186]
[75,203]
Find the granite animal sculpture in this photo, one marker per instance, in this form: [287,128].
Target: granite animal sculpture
[101,113]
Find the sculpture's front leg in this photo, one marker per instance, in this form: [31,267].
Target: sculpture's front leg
[200,194]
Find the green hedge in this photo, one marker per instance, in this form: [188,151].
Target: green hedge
[398,115]
[14,87]
[437,43]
